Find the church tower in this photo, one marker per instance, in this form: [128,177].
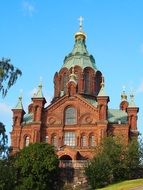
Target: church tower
[80,63]
[78,117]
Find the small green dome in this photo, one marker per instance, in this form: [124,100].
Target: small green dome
[79,55]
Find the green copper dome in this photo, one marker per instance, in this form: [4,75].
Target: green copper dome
[79,55]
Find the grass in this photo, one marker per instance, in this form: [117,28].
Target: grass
[125,185]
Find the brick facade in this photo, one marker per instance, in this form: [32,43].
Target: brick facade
[78,117]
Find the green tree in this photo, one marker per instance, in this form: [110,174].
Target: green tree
[37,167]
[114,161]
[99,171]
[7,174]
[115,150]
[3,141]
[106,166]
[134,159]
[8,75]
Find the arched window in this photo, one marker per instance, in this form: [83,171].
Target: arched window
[91,140]
[54,140]
[70,116]
[87,82]
[27,141]
[46,139]
[83,141]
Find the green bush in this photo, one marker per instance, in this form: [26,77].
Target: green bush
[114,162]
[37,167]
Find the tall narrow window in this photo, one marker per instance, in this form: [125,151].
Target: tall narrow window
[56,85]
[87,82]
[64,82]
[91,141]
[27,141]
[98,80]
[70,116]
[83,141]
[54,140]
[69,139]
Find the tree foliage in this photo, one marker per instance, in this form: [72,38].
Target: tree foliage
[8,75]
[7,174]
[7,177]
[99,171]
[3,141]
[114,162]
[134,159]
[37,167]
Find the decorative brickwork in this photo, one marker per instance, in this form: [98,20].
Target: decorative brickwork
[78,117]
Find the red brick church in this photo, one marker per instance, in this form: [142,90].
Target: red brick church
[78,117]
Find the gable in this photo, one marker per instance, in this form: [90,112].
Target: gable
[86,112]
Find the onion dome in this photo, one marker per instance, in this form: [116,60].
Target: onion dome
[79,55]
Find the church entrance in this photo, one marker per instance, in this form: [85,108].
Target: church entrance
[66,161]
[67,170]
[65,157]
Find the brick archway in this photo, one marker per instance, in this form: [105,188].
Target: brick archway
[66,157]
[67,151]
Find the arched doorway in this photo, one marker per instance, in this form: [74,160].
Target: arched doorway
[65,157]
[66,161]
[66,167]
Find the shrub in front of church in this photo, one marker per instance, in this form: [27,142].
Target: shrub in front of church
[37,167]
[134,159]
[114,162]
[7,174]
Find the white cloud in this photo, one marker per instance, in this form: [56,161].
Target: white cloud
[140,88]
[5,114]
[28,8]
[5,109]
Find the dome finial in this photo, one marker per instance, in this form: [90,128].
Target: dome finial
[80,34]
[19,103]
[132,99]
[39,93]
[123,95]
[80,23]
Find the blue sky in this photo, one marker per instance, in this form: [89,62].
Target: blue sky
[37,34]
